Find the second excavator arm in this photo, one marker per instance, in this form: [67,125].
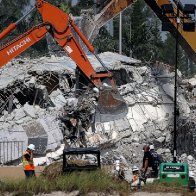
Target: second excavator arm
[60,25]
[20,44]
[112,8]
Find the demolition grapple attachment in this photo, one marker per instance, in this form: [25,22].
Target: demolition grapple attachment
[111,106]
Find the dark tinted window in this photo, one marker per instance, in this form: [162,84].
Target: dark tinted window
[173,168]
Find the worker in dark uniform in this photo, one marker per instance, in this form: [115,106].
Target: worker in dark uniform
[147,160]
[155,162]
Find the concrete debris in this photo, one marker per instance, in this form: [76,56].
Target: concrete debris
[58,99]
[29,110]
[18,114]
[192,81]
[38,105]
[169,90]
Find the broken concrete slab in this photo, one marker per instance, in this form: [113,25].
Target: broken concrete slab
[29,110]
[58,99]
[19,113]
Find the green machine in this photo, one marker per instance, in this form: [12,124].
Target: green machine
[174,172]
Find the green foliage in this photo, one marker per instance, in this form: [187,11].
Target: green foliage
[94,181]
[169,50]
[104,41]
[82,4]
[65,7]
[11,11]
[146,39]
[7,8]
[185,65]
[141,35]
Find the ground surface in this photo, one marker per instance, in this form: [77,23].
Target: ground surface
[76,193]
[16,172]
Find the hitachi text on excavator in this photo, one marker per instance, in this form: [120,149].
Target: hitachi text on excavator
[60,25]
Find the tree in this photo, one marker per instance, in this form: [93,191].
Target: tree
[82,4]
[169,51]
[11,11]
[104,41]
[141,32]
[139,38]
[155,40]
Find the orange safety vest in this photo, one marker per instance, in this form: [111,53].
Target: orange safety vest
[135,177]
[28,165]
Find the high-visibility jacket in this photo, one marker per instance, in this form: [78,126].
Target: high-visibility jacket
[28,164]
[135,180]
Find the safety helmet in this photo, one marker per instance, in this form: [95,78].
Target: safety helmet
[31,146]
[151,147]
[135,168]
[191,174]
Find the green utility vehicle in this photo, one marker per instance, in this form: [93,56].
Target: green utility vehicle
[175,172]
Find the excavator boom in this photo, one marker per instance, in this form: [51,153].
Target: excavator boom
[20,44]
[112,8]
[61,26]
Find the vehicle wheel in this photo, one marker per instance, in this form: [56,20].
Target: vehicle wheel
[191,184]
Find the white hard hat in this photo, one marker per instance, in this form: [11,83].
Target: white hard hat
[135,168]
[191,174]
[31,146]
[151,147]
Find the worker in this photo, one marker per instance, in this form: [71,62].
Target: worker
[155,161]
[28,164]
[135,181]
[147,161]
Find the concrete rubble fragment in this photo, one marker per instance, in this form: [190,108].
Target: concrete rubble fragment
[29,110]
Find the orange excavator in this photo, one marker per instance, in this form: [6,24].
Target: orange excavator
[60,25]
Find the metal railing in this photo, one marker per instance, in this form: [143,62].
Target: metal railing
[11,152]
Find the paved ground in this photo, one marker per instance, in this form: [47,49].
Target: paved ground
[9,172]
[76,193]
[155,194]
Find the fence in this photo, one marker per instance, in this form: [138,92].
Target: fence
[11,152]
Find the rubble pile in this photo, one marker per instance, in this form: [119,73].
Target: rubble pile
[33,91]
[37,93]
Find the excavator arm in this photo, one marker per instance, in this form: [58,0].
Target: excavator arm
[20,44]
[110,106]
[186,39]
